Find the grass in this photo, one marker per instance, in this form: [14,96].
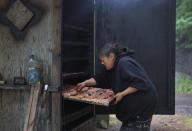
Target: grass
[113,122]
[183,84]
[188,123]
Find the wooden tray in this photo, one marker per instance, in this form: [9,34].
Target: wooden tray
[102,97]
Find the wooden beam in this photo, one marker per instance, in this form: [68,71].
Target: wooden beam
[56,112]
[56,65]
[30,116]
[26,122]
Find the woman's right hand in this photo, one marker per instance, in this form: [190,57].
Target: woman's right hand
[80,86]
[89,82]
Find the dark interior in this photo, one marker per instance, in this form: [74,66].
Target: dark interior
[148,27]
[77,38]
[77,56]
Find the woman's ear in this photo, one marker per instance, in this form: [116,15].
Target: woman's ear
[112,56]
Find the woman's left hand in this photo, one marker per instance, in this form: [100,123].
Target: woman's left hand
[118,97]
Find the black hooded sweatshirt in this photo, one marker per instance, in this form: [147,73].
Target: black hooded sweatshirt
[125,73]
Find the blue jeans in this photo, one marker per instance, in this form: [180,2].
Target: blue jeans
[136,126]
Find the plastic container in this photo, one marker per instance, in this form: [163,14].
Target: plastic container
[33,70]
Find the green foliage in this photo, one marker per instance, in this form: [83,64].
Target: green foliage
[184,24]
[183,84]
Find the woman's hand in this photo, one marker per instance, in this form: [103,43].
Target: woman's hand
[80,86]
[118,97]
[89,82]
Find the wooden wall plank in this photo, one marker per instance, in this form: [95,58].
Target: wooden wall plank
[56,65]
[13,107]
[38,40]
[27,115]
[56,52]
[56,112]
[32,108]
[43,40]
[13,104]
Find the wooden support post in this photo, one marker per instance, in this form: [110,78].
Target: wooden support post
[56,117]
[32,108]
[56,112]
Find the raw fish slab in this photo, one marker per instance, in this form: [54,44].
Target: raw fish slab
[91,95]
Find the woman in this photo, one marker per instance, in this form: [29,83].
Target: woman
[134,92]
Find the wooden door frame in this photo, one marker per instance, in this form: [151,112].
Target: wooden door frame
[56,116]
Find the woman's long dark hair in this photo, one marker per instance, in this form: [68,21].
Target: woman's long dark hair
[111,48]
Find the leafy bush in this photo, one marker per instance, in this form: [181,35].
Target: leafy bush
[184,24]
[183,84]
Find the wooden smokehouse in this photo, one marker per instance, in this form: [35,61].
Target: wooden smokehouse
[65,36]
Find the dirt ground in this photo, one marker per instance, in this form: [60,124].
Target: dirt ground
[181,121]
[178,122]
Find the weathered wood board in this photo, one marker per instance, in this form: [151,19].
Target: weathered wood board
[42,40]
[32,109]
[14,54]
[13,108]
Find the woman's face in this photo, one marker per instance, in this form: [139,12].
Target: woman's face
[108,62]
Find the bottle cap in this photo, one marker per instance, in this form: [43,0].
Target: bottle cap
[32,55]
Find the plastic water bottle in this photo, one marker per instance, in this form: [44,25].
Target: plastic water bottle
[33,73]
